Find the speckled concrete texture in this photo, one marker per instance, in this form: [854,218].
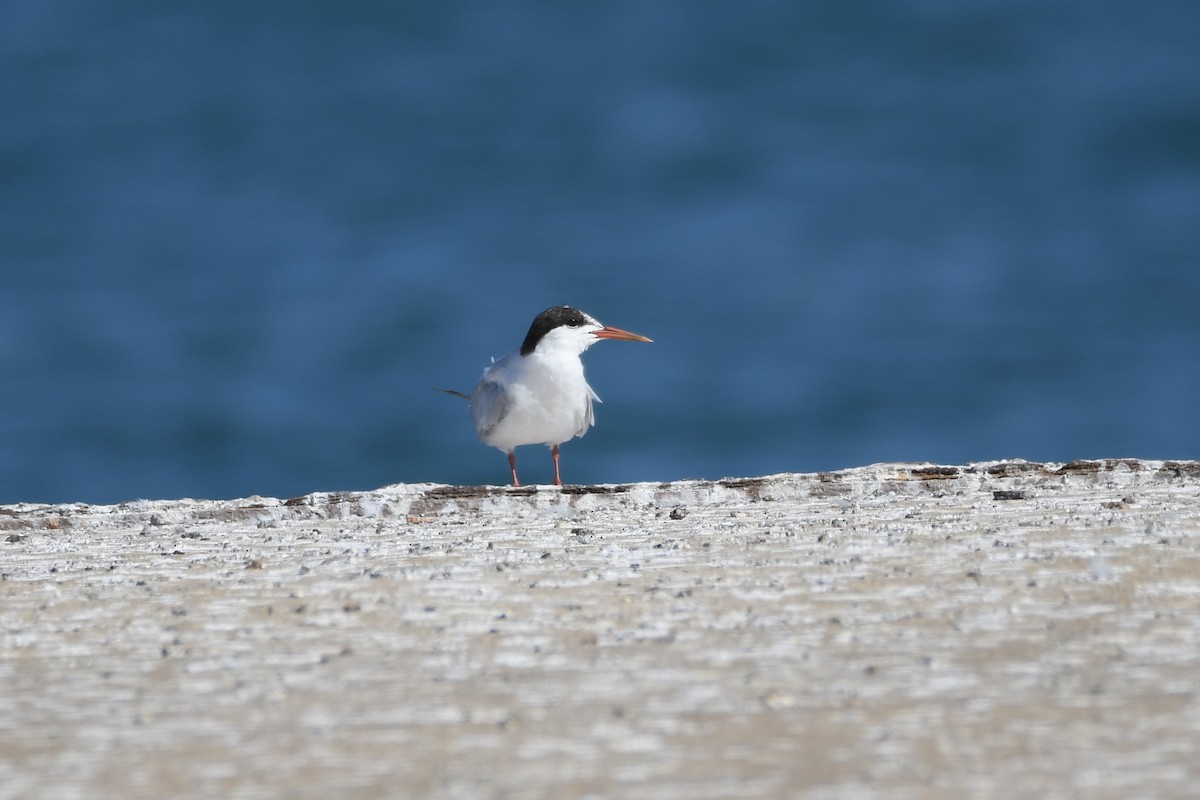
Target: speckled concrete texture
[1005,629]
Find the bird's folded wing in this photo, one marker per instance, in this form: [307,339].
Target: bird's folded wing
[489,405]
[589,417]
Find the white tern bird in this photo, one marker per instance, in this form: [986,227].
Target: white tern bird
[538,394]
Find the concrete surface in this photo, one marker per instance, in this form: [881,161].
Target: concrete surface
[1006,629]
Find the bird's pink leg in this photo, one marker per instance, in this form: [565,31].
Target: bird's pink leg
[554,453]
[512,464]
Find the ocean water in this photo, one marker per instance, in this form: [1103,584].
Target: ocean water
[240,242]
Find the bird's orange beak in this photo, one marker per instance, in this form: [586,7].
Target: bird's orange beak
[608,332]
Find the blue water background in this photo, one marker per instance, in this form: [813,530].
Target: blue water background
[241,241]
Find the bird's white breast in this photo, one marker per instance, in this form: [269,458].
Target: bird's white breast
[541,398]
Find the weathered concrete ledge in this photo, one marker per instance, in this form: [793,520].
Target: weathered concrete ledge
[998,629]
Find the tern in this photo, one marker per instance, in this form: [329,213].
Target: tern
[538,394]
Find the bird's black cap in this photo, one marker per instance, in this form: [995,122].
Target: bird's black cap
[547,321]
